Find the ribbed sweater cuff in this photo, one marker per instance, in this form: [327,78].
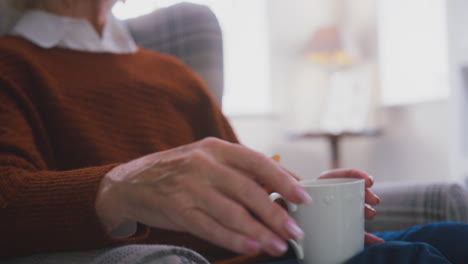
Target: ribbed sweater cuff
[56,211]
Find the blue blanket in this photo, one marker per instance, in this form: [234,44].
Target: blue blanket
[438,243]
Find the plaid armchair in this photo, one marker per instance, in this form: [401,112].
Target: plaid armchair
[406,205]
[189,32]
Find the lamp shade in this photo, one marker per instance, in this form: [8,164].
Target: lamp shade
[328,46]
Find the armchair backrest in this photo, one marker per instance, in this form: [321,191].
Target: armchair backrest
[190,32]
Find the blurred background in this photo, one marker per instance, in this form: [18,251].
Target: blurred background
[378,85]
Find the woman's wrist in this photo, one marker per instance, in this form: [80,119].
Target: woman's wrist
[109,206]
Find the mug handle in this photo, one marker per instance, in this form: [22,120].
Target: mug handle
[291,208]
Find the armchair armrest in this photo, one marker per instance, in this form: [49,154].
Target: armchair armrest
[405,205]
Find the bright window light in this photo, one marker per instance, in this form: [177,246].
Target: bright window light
[413,51]
[246,53]
[134,8]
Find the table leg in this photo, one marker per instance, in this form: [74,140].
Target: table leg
[335,151]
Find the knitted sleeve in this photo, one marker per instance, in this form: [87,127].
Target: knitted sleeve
[42,209]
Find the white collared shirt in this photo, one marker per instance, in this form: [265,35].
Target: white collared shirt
[48,30]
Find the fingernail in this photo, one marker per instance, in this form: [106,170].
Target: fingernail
[371,179]
[378,200]
[374,213]
[252,246]
[303,195]
[294,229]
[278,245]
[371,210]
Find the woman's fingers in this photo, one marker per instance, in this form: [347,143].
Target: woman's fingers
[277,159]
[348,173]
[291,174]
[266,171]
[370,239]
[253,197]
[372,198]
[369,212]
[203,226]
[234,217]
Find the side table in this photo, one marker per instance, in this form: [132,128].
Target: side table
[334,140]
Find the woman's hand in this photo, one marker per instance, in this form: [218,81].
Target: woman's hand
[371,199]
[208,188]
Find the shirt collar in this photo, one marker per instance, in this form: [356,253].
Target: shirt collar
[47,30]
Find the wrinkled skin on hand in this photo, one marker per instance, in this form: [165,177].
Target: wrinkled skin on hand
[212,189]
[215,190]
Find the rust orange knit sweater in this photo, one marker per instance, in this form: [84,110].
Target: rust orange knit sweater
[67,118]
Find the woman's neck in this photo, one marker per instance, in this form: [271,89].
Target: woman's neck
[95,11]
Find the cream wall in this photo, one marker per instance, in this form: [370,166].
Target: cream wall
[414,145]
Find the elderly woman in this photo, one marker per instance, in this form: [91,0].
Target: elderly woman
[103,143]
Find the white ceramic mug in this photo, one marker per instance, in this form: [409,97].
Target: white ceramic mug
[333,223]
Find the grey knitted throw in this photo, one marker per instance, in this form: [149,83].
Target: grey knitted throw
[135,254]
